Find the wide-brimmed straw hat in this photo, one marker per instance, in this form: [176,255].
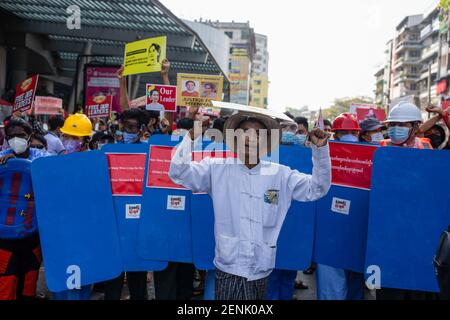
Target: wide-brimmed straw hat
[235,121]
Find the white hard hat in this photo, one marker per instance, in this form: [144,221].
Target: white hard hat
[405,112]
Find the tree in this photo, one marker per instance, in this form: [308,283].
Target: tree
[342,105]
[444,5]
[297,112]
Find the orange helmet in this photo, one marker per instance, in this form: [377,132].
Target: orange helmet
[346,122]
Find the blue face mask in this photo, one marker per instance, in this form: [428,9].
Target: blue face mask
[302,139]
[289,138]
[349,138]
[399,135]
[129,138]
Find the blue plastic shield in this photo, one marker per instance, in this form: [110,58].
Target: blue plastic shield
[409,209]
[340,239]
[128,227]
[165,234]
[76,219]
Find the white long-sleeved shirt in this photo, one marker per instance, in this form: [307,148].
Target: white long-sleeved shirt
[250,205]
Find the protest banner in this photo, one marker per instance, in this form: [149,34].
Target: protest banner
[196,90]
[161,98]
[144,56]
[99,107]
[138,102]
[352,164]
[47,105]
[126,173]
[101,81]
[158,168]
[25,92]
[355,106]
[366,113]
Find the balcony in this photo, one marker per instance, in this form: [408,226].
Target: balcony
[424,71]
[408,44]
[430,29]
[428,52]
[424,92]
[406,61]
[405,76]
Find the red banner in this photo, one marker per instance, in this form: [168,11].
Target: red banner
[99,107]
[364,114]
[445,105]
[161,98]
[25,93]
[126,172]
[352,164]
[47,105]
[158,168]
[159,165]
[441,87]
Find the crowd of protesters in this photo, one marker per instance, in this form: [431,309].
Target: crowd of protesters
[25,137]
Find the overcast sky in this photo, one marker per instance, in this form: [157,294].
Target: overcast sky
[319,50]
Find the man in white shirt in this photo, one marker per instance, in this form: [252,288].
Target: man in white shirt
[54,143]
[251,198]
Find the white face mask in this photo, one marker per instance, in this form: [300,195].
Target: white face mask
[377,137]
[18,145]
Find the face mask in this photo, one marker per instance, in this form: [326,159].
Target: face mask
[18,145]
[377,137]
[72,146]
[100,146]
[289,138]
[129,138]
[301,139]
[399,135]
[349,138]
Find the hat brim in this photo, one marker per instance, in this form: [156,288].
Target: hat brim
[236,120]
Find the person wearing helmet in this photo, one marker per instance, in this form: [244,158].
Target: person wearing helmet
[371,131]
[403,127]
[346,128]
[334,283]
[404,123]
[77,132]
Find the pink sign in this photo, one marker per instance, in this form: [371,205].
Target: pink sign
[47,105]
[102,82]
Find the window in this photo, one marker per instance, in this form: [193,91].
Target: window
[229,34]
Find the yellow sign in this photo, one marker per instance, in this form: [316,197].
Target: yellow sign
[198,90]
[144,56]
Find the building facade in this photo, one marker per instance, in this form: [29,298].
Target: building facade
[259,88]
[419,65]
[406,58]
[242,52]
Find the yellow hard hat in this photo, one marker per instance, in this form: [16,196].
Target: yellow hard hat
[77,125]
